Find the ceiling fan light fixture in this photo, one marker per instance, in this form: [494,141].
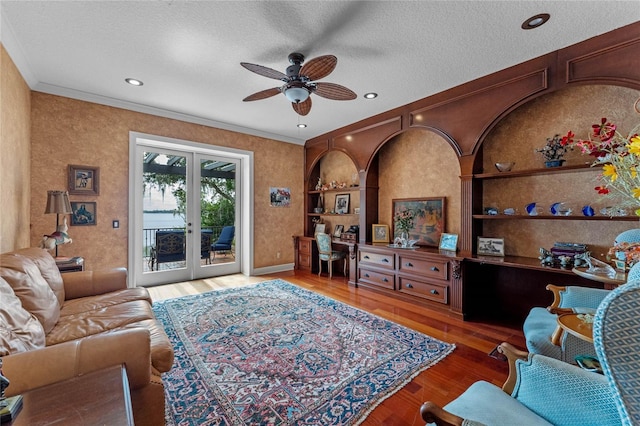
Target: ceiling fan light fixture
[296,94]
[370,95]
[301,125]
[535,21]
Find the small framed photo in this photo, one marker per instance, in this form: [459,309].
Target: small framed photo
[320,228]
[338,231]
[490,246]
[380,233]
[84,213]
[342,204]
[448,242]
[84,180]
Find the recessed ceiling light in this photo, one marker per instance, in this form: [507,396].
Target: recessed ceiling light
[133,81]
[302,125]
[370,95]
[535,21]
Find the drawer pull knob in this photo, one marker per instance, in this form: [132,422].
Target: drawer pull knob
[366,257]
[385,280]
[409,264]
[366,275]
[409,285]
[434,269]
[385,260]
[434,292]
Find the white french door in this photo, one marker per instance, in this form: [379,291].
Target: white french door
[182,197]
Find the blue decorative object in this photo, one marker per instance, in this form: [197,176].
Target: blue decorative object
[588,211]
[531,209]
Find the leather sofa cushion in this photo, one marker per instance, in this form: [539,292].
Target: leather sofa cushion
[161,349]
[90,303]
[20,331]
[83,324]
[24,277]
[48,269]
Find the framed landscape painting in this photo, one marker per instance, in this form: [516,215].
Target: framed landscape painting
[425,218]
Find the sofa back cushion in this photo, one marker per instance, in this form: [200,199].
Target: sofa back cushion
[27,283]
[48,269]
[20,331]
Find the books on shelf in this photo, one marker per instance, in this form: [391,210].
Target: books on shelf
[68,260]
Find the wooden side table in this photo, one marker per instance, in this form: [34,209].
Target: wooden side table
[70,265]
[572,324]
[98,398]
[610,282]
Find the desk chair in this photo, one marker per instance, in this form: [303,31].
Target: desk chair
[327,254]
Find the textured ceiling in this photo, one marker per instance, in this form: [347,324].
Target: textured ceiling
[188,53]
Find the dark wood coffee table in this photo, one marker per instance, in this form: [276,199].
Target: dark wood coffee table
[97,398]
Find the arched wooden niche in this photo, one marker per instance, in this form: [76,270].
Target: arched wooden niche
[418,163]
[515,139]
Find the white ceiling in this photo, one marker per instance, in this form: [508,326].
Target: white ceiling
[188,53]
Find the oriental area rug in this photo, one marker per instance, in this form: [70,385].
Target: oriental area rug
[276,354]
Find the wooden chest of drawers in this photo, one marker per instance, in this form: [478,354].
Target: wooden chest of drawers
[423,274]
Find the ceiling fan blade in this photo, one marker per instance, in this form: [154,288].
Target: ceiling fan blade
[263,94]
[319,67]
[264,71]
[334,91]
[302,108]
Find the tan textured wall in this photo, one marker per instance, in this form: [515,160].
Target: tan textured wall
[15,153]
[67,131]
[516,138]
[415,164]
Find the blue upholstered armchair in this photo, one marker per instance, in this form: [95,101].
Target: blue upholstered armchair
[327,254]
[541,324]
[545,391]
[225,240]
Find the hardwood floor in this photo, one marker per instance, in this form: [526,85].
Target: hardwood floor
[440,383]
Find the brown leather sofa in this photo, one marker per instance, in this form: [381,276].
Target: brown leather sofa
[54,327]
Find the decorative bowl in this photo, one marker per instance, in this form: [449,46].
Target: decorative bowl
[504,167]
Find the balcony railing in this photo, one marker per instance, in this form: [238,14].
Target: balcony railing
[149,239]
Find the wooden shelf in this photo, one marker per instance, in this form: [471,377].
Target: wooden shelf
[549,217]
[519,262]
[332,214]
[349,188]
[534,172]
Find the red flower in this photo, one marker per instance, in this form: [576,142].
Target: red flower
[604,130]
[602,189]
[568,139]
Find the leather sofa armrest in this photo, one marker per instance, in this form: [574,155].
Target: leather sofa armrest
[52,364]
[91,283]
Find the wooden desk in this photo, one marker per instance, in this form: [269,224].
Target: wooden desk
[98,398]
[572,324]
[609,282]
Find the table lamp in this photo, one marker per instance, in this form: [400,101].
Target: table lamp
[58,203]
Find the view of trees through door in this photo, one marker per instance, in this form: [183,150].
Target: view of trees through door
[170,213]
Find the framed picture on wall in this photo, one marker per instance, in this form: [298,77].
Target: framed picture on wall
[342,204]
[84,180]
[424,218]
[380,233]
[84,213]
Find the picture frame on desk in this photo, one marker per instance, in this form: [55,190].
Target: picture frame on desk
[338,231]
[448,242]
[380,233]
[490,246]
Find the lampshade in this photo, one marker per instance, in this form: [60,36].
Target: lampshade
[58,202]
[296,94]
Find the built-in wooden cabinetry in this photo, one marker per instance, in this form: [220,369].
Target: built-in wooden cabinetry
[466,117]
[423,274]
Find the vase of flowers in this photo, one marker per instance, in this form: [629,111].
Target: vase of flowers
[403,220]
[619,157]
[554,150]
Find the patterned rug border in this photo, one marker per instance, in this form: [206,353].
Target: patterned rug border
[328,301]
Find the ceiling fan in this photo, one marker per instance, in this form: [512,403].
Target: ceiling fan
[300,82]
